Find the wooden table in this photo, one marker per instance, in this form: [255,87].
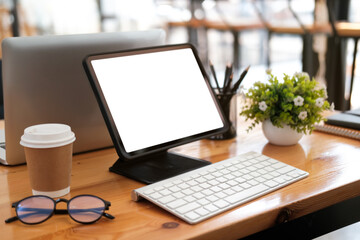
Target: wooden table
[332,161]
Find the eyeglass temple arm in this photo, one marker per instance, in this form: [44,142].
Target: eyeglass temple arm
[108,215]
[107,205]
[12,219]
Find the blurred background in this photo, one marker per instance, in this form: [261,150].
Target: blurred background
[286,36]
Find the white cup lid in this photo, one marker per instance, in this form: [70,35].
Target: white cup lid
[47,135]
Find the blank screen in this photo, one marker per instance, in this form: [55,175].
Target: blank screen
[158,97]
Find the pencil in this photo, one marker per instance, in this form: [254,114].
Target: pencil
[228,72]
[241,78]
[228,85]
[214,74]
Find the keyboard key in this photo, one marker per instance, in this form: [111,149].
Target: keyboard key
[279,165]
[271,183]
[247,176]
[237,188]
[192,183]
[189,198]
[198,195]
[280,179]
[285,169]
[205,185]
[229,191]
[211,207]
[168,185]
[200,179]
[221,203]
[203,202]
[293,174]
[179,195]
[232,169]
[175,189]
[212,198]
[176,203]
[183,186]
[221,179]
[246,193]
[148,192]
[220,195]
[196,188]
[167,199]
[229,176]
[262,158]
[192,215]
[260,179]
[196,175]
[245,185]
[215,189]
[214,182]
[187,191]
[224,185]
[274,174]
[216,174]
[209,177]
[253,182]
[207,192]
[155,195]
[232,183]
[240,180]
[254,174]
[159,188]
[188,207]
[165,192]
[202,211]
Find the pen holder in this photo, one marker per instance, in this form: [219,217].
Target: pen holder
[228,103]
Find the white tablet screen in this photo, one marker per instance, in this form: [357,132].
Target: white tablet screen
[156,97]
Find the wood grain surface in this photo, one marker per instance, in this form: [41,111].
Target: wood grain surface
[332,161]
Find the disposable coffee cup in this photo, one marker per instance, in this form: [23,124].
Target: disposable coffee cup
[48,152]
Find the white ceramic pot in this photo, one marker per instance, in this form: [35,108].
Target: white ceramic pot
[280,136]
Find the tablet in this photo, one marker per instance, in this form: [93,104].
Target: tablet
[154,99]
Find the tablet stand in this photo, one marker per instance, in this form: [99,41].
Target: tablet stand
[156,167]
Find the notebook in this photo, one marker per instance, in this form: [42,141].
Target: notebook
[346,124]
[348,119]
[44,82]
[340,131]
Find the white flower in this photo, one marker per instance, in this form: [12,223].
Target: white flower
[319,102]
[298,101]
[302,74]
[302,115]
[306,75]
[263,106]
[332,107]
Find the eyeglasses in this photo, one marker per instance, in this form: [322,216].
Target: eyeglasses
[84,209]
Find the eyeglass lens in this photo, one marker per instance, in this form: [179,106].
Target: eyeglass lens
[35,209]
[86,209]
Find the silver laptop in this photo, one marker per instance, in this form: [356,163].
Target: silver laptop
[44,82]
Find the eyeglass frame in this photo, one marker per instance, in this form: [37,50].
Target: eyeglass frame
[60,211]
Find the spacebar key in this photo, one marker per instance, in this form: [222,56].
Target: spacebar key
[246,193]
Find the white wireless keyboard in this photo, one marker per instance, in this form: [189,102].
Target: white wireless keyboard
[202,193]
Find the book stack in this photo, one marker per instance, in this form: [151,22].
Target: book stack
[345,124]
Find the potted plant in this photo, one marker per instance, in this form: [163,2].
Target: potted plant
[287,109]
